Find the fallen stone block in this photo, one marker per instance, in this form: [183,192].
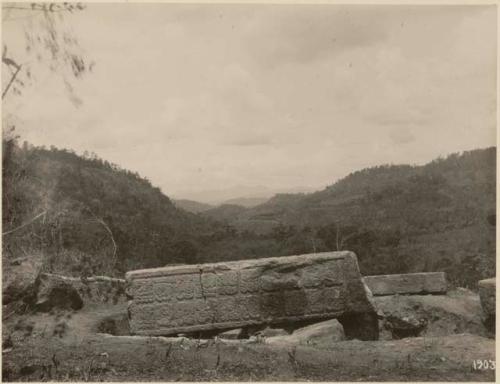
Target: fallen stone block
[459,311]
[406,284]
[487,294]
[324,333]
[272,332]
[276,290]
[19,279]
[99,289]
[57,294]
[232,334]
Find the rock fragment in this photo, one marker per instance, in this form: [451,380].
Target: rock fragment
[324,333]
[487,294]
[57,293]
[406,284]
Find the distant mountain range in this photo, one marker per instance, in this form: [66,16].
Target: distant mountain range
[247,202]
[245,195]
[197,207]
[192,206]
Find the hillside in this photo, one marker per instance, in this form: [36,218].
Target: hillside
[84,215]
[224,212]
[397,218]
[191,205]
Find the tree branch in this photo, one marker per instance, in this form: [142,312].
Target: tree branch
[337,230]
[111,235]
[344,239]
[25,224]
[18,67]
[102,222]
[51,8]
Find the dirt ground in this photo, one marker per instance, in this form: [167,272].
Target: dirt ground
[69,346]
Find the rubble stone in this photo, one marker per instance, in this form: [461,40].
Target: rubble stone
[20,279]
[487,294]
[325,332]
[232,334]
[57,293]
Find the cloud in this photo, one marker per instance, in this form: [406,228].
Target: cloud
[302,34]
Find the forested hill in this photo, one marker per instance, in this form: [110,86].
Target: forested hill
[458,188]
[85,215]
[192,206]
[402,218]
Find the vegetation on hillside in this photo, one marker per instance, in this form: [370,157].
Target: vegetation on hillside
[191,205]
[397,218]
[88,216]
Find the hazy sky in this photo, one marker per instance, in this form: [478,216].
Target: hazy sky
[209,97]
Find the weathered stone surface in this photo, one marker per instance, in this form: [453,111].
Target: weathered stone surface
[409,283]
[20,279]
[236,294]
[459,311]
[94,289]
[487,290]
[325,332]
[56,293]
[487,294]
[272,332]
[232,334]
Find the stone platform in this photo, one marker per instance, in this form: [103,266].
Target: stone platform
[205,297]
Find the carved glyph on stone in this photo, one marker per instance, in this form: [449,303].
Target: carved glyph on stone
[203,297]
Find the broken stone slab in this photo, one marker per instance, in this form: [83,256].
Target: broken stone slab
[272,332]
[232,334]
[236,294]
[406,284]
[459,311]
[90,279]
[324,333]
[487,290]
[487,295]
[20,280]
[57,294]
[100,289]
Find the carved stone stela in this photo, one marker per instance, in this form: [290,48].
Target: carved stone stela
[202,297]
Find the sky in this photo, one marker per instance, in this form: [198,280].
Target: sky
[217,101]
